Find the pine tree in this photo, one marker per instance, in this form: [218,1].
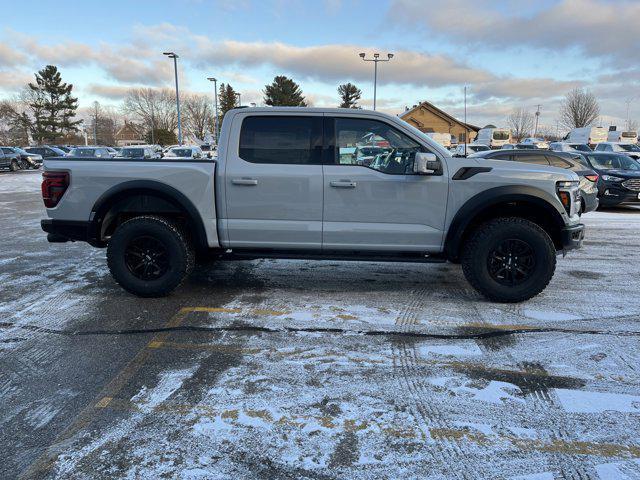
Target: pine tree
[283,92]
[52,105]
[227,99]
[350,94]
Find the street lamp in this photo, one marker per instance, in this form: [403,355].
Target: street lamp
[376,58]
[535,132]
[628,102]
[175,69]
[215,99]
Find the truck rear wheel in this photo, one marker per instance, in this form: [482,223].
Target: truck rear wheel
[509,259]
[149,256]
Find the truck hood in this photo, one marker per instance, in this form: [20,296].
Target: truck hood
[521,168]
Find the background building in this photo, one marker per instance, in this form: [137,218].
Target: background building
[129,134]
[428,118]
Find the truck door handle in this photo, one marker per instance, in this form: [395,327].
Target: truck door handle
[343,184]
[244,181]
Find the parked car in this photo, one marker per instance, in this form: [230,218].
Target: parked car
[619,136]
[279,190]
[184,152]
[536,142]
[9,160]
[90,152]
[526,146]
[574,162]
[493,137]
[619,181]
[470,148]
[569,147]
[45,151]
[508,146]
[631,150]
[589,135]
[138,152]
[28,160]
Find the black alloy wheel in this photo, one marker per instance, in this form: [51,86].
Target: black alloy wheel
[512,262]
[146,258]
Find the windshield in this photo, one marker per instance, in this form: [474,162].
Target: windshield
[580,147]
[624,147]
[613,162]
[629,134]
[500,135]
[371,151]
[478,148]
[179,152]
[131,153]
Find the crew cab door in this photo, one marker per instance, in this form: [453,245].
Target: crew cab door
[273,182]
[379,203]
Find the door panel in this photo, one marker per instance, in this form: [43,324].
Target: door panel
[372,200]
[275,205]
[383,212]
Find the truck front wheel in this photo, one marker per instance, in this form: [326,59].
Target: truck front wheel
[509,259]
[149,256]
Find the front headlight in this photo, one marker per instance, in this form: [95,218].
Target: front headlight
[611,178]
[568,192]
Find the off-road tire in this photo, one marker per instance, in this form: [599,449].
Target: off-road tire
[15,166]
[476,252]
[179,253]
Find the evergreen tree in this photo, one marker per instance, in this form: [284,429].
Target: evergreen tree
[350,94]
[52,105]
[227,100]
[283,92]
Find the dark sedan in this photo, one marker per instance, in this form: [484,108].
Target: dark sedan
[619,181]
[570,161]
[27,160]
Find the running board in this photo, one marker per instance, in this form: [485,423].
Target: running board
[408,257]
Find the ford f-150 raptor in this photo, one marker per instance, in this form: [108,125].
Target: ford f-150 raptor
[291,183]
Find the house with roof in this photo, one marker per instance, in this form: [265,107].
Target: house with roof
[428,118]
[130,134]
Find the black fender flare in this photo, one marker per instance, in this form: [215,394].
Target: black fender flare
[495,196]
[146,187]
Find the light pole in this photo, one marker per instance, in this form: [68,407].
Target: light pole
[466,127]
[628,102]
[215,102]
[239,95]
[376,58]
[535,131]
[175,70]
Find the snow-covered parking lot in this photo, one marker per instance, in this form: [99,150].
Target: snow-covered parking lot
[296,369]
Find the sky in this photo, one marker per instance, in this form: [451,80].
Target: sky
[509,53]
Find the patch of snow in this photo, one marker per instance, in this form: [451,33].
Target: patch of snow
[580,401]
[467,349]
[548,315]
[495,392]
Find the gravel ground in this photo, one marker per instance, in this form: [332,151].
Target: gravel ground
[297,369]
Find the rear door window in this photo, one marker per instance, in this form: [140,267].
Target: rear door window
[281,140]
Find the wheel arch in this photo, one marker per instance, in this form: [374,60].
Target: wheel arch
[518,200]
[144,197]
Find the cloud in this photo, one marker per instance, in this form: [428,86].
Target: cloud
[10,57]
[600,28]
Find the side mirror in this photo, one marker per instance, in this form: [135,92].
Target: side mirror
[426,164]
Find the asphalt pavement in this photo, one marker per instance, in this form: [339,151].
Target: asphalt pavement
[301,369]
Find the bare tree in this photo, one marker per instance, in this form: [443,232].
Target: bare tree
[521,123]
[579,109]
[153,108]
[198,115]
[101,124]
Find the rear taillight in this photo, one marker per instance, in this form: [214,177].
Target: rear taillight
[54,184]
[592,178]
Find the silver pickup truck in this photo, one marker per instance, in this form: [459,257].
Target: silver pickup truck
[299,183]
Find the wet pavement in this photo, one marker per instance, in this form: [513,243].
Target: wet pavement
[297,369]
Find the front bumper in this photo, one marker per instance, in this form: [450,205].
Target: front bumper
[613,193]
[572,237]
